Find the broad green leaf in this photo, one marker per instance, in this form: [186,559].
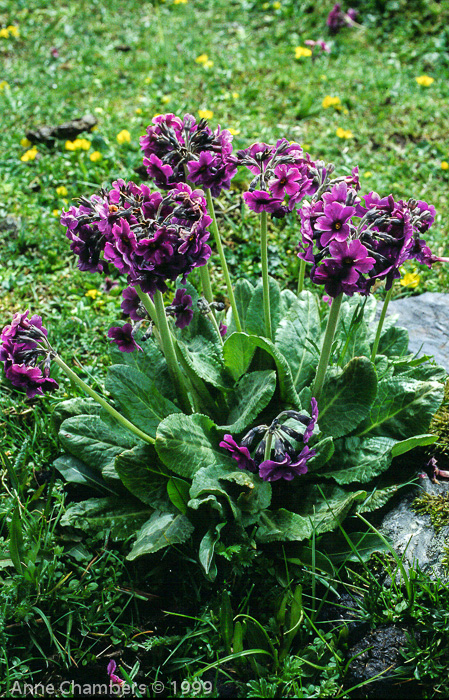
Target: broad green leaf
[211,502]
[74,407]
[403,408]
[101,514]
[255,494]
[95,443]
[301,323]
[255,321]
[138,398]
[141,472]
[252,394]
[377,498]
[238,352]
[360,459]
[207,550]
[352,330]
[347,397]
[206,485]
[425,372]
[288,298]
[394,341]
[151,362]
[16,541]
[324,451]
[206,360]
[161,530]
[178,493]
[318,513]
[76,472]
[416,441]
[187,443]
[243,291]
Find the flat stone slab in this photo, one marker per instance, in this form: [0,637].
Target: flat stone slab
[426,317]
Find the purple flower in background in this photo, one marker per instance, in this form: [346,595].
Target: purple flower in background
[131,303]
[123,337]
[260,201]
[287,468]
[181,308]
[335,19]
[240,454]
[110,671]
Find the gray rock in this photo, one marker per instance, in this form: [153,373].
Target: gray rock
[414,534]
[426,318]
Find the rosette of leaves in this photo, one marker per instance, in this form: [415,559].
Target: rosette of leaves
[186,488]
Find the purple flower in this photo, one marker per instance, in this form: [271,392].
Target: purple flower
[240,454]
[130,304]
[334,222]
[260,201]
[181,307]
[287,468]
[342,271]
[120,251]
[335,19]
[123,337]
[312,422]
[110,671]
[223,329]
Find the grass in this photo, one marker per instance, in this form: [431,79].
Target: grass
[75,602]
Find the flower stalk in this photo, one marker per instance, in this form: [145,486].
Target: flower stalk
[265,281]
[332,321]
[224,264]
[302,272]
[103,403]
[383,313]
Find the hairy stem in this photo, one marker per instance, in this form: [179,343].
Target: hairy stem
[265,282]
[380,325]
[334,313]
[302,272]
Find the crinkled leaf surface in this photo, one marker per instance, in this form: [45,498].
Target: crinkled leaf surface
[301,323]
[206,360]
[394,341]
[76,472]
[243,291]
[161,530]
[140,470]
[121,518]
[252,394]
[324,451]
[139,399]
[360,459]
[95,443]
[74,407]
[254,495]
[150,361]
[187,443]
[347,397]
[238,352]
[255,321]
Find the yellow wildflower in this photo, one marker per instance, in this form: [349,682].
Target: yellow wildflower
[71,145]
[4,34]
[208,64]
[205,113]
[202,58]
[25,142]
[424,80]
[124,136]
[56,212]
[92,293]
[95,156]
[13,30]
[179,2]
[148,80]
[444,165]
[301,52]
[165,99]
[84,144]
[265,6]
[410,279]
[29,155]
[323,77]
[276,5]
[235,95]
[99,110]
[330,102]
[3,85]
[367,174]
[138,110]
[306,146]
[344,133]
[233,131]
[62,191]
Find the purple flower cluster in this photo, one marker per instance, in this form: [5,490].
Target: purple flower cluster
[352,244]
[287,460]
[26,354]
[316,46]
[150,238]
[181,308]
[337,18]
[177,148]
[281,172]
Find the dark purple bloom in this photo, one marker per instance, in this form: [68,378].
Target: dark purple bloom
[30,379]
[123,337]
[334,222]
[240,454]
[110,671]
[335,19]
[223,329]
[342,271]
[312,422]
[287,468]
[120,250]
[130,304]
[260,201]
[181,307]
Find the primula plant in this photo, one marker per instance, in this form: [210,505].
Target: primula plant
[257,421]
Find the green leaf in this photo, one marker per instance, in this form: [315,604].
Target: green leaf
[377,498]
[255,322]
[74,407]
[324,451]
[243,291]
[288,298]
[187,443]
[403,408]
[238,352]
[301,323]
[76,472]
[178,493]
[252,394]
[140,472]
[138,398]
[255,494]
[100,514]
[206,360]
[347,397]
[207,550]
[340,551]
[16,541]
[151,362]
[95,443]
[360,460]
[416,441]
[352,329]
[394,341]
[161,530]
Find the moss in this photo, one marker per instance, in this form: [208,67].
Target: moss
[437,506]
[440,426]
